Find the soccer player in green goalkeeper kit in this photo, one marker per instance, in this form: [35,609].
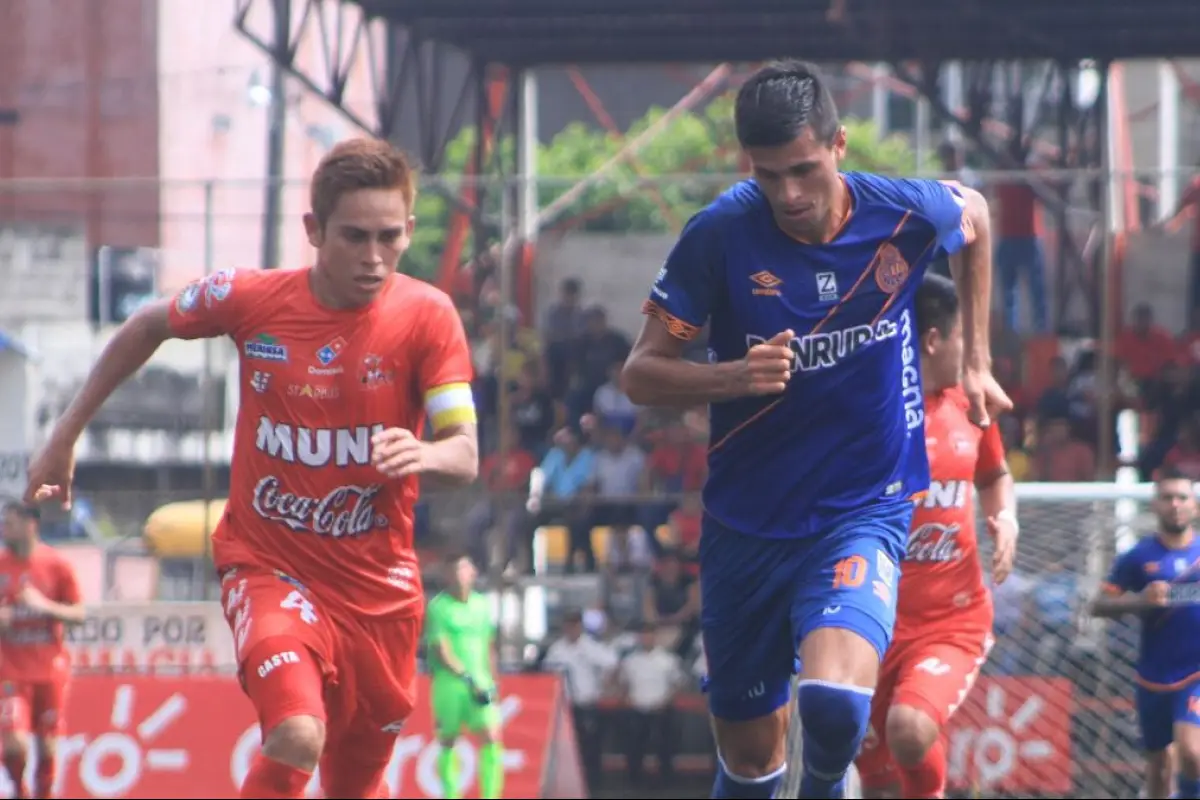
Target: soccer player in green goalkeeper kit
[460,633]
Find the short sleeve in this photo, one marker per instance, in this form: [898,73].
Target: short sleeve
[942,205]
[1127,575]
[445,357]
[991,454]
[683,294]
[211,306]
[68,587]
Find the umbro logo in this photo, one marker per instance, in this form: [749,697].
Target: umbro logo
[767,284]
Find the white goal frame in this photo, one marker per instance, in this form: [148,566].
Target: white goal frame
[1127,497]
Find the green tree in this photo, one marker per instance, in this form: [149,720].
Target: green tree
[691,160]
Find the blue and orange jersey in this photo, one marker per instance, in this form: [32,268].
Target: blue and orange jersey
[847,432]
[1169,650]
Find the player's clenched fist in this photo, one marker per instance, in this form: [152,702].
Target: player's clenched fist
[396,452]
[1156,594]
[51,473]
[768,365]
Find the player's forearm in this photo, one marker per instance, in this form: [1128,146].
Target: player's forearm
[450,661]
[128,351]
[1118,605]
[453,458]
[66,612]
[972,272]
[654,380]
[998,496]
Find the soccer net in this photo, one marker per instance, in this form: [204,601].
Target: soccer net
[1052,714]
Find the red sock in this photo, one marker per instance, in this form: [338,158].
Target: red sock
[927,779]
[269,778]
[43,778]
[15,764]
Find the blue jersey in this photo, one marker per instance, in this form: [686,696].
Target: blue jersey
[847,432]
[1169,653]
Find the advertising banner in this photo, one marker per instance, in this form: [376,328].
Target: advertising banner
[141,736]
[156,637]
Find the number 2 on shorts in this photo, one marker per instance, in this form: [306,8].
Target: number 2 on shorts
[300,603]
[850,572]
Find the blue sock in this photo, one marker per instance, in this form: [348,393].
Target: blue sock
[1187,787]
[835,719]
[734,786]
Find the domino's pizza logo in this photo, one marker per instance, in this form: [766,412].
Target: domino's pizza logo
[329,353]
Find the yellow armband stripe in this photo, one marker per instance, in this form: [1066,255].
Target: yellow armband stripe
[452,404]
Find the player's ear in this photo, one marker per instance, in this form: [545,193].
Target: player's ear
[839,142]
[929,341]
[410,225]
[316,236]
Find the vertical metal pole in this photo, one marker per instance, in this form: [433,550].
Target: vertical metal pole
[1105,366]
[1168,140]
[276,135]
[209,477]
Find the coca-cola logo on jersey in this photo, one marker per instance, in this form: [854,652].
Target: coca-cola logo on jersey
[933,543]
[344,511]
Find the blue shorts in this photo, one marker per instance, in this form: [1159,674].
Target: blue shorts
[1158,713]
[761,597]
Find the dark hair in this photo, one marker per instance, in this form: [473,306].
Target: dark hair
[452,557]
[779,101]
[1170,473]
[937,304]
[23,510]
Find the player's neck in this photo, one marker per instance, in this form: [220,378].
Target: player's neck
[460,594]
[22,551]
[1177,541]
[324,293]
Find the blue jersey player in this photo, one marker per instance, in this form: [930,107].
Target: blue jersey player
[1159,578]
[805,277]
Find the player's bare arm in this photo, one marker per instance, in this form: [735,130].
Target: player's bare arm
[52,471]
[1112,602]
[452,455]
[972,272]
[998,500]
[71,613]
[656,373]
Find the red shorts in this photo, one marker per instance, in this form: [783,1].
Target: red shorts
[298,658]
[35,706]
[933,674]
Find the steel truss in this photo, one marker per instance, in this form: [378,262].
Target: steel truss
[344,47]
[1038,105]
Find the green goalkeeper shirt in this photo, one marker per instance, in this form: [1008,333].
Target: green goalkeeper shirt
[468,628]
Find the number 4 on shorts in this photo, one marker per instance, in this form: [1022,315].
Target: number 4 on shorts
[300,603]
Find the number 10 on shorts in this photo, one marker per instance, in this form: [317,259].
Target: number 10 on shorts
[850,572]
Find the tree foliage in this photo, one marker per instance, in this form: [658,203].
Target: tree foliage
[680,170]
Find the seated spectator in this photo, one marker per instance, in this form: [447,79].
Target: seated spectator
[1172,399]
[1061,458]
[592,355]
[1185,455]
[610,403]
[649,678]
[1055,401]
[672,602]
[532,409]
[613,501]
[504,473]
[557,489]
[678,463]
[1143,346]
[685,524]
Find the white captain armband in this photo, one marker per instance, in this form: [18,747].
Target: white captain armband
[452,404]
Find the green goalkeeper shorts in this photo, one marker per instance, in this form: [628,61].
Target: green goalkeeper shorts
[454,708]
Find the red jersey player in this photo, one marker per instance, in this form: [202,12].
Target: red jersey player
[38,593]
[340,364]
[944,611]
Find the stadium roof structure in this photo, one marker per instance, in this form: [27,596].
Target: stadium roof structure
[531,32]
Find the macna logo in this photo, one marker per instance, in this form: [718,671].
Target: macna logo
[265,347]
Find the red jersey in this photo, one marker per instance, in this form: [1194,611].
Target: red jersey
[942,577]
[316,384]
[32,649]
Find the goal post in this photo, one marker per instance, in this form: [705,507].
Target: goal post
[1052,710]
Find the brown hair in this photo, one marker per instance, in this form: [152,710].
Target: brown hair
[360,164]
